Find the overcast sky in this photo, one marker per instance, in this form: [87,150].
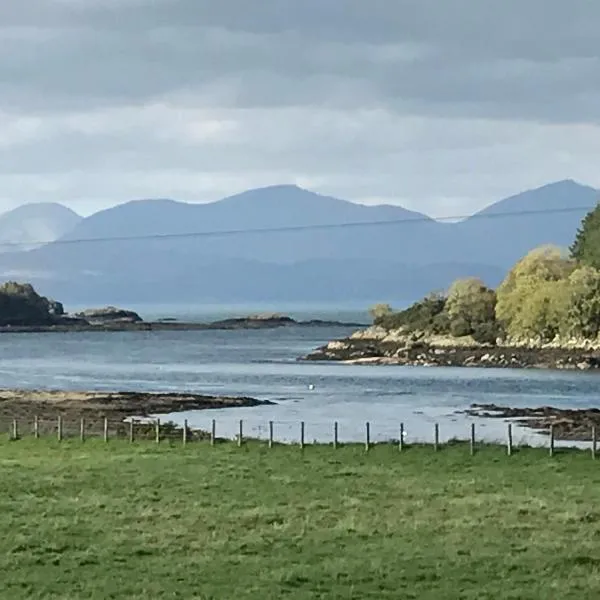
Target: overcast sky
[441,106]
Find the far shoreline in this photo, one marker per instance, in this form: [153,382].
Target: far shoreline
[242,324]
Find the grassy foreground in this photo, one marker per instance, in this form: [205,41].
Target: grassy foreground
[137,521]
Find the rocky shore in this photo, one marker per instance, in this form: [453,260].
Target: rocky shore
[376,347]
[23,310]
[569,424]
[27,405]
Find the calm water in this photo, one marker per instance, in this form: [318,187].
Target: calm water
[263,364]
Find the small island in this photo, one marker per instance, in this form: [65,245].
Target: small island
[545,314]
[23,310]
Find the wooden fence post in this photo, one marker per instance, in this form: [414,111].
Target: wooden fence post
[184,432]
[302,435]
[270,434]
[335,435]
[213,432]
[401,440]
[472,439]
[436,437]
[157,431]
[59,429]
[241,433]
[551,449]
[105,429]
[82,429]
[594,441]
[36,427]
[367,436]
[15,429]
[131,431]
[509,441]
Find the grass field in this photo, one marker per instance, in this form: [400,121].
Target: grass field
[137,521]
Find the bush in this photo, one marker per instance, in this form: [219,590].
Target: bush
[487,333]
[425,315]
[460,327]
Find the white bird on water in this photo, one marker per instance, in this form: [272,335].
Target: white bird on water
[311,386]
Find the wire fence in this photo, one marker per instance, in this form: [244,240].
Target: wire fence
[274,433]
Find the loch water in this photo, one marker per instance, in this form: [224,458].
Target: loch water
[263,364]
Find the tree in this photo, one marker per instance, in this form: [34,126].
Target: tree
[532,301]
[586,247]
[471,302]
[425,315]
[584,303]
[380,311]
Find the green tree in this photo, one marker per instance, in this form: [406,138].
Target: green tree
[533,299]
[586,247]
[471,302]
[584,303]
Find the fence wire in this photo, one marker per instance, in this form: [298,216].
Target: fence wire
[300,433]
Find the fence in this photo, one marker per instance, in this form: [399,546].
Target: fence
[62,428]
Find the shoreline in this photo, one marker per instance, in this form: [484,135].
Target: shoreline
[570,424]
[45,406]
[398,351]
[25,406]
[167,325]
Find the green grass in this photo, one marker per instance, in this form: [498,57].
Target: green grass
[101,521]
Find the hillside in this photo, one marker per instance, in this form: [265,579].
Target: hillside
[213,252]
[31,225]
[266,208]
[503,232]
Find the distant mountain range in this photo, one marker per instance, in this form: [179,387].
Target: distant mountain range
[31,225]
[325,249]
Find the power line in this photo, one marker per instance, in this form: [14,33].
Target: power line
[295,228]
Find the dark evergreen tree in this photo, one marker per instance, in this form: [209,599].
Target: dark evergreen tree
[586,247]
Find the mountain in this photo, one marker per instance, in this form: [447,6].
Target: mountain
[161,251]
[503,232]
[32,225]
[284,207]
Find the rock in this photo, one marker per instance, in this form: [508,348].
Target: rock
[108,314]
[337,345]
[56,308]
[21,305]
[422,350]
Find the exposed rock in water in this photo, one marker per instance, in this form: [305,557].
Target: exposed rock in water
[108,314]
[262,321]
[569,424]
[21,305]
[22,309]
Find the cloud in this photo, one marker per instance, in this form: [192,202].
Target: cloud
[440,106]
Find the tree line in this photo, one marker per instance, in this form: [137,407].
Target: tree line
[550,294]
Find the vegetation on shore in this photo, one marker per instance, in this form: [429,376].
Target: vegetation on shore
[140,521]
[549,295]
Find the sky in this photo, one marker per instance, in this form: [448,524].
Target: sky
[441,107]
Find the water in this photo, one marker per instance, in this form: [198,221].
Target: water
[263,364]
[205,313]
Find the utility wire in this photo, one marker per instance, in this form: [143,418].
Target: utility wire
[294,228]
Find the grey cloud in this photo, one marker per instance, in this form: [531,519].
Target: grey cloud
[533,60]
[436,104]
